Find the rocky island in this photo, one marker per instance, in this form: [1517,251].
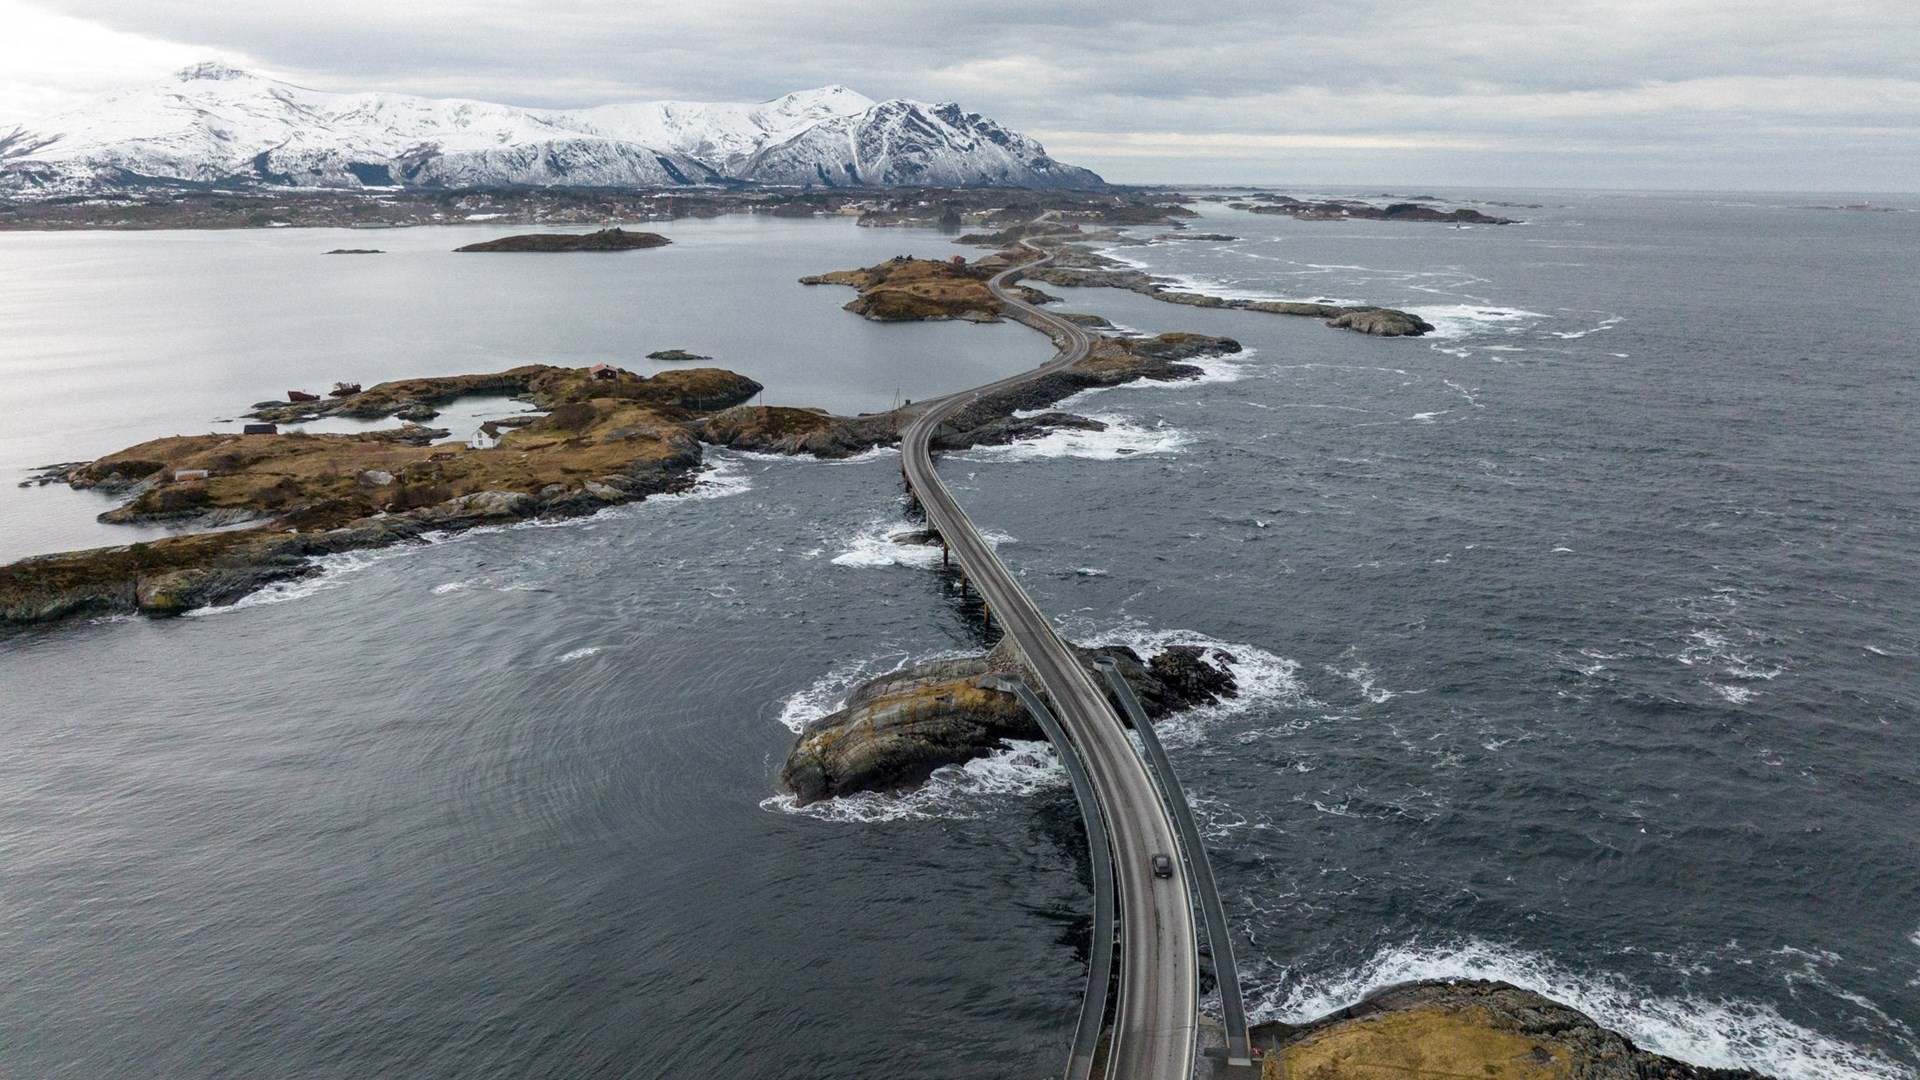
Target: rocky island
[1075,264]
[905,289]
[614,239]
[606,438]
[1356,210]
[894,731]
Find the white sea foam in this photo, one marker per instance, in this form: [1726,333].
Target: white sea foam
[451,587]
[828,691]
[1124,437]
[330,572]
[1454,321]
[1362,676]
[1264,679]
[1716,1033]
[954,792]
[1228,367]
[579,654]
[872,454]
[723,476]
[1724,665]
[1605,324]
[874,546]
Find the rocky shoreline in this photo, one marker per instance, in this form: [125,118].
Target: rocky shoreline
[1075,265]
[1462,1028]
[606,439]
[894,731]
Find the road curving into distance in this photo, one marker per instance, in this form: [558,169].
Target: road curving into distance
[1156,1017]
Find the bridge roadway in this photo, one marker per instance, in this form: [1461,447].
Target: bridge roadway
[1156,1020]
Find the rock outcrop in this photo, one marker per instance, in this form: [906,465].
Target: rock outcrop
[543,386]
[894,731]
[905,289]
[615,239]
[1465,1028]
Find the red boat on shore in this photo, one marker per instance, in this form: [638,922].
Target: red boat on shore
[301,395]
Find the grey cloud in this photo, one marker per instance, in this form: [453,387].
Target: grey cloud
[1626,74]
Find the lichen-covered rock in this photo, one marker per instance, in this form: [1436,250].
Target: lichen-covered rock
[492,504]
[894,731]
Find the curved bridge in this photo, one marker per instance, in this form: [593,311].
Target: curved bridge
[1156,1016]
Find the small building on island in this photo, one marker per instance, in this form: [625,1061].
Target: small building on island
[604,372]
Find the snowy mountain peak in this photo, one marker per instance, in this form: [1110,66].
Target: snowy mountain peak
[835,97]
[213,124]
[212,70]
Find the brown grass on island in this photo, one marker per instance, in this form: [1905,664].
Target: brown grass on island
[605,439]
[904,288]
[615,239]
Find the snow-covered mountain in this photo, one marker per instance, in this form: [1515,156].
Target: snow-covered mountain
[215,124]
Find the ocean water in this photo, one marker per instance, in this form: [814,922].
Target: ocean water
[115,338]
[1578,645]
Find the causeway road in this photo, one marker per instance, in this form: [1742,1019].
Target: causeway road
[1156,1017]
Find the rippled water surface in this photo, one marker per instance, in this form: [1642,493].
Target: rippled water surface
[1578,643]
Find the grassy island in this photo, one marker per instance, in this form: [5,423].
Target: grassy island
[907,289]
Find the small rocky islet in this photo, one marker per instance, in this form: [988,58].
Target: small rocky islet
[614,239]
[894,731]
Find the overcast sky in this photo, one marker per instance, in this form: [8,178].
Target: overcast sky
[1716,94]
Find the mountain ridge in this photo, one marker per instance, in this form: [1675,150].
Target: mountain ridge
[212,124]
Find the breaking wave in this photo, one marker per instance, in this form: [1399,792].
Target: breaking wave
[1716,1033]
[953,792]
[1124,437]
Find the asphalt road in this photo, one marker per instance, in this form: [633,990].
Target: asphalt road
[1156,1018]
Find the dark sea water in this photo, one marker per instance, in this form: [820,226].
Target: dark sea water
[1578,643]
